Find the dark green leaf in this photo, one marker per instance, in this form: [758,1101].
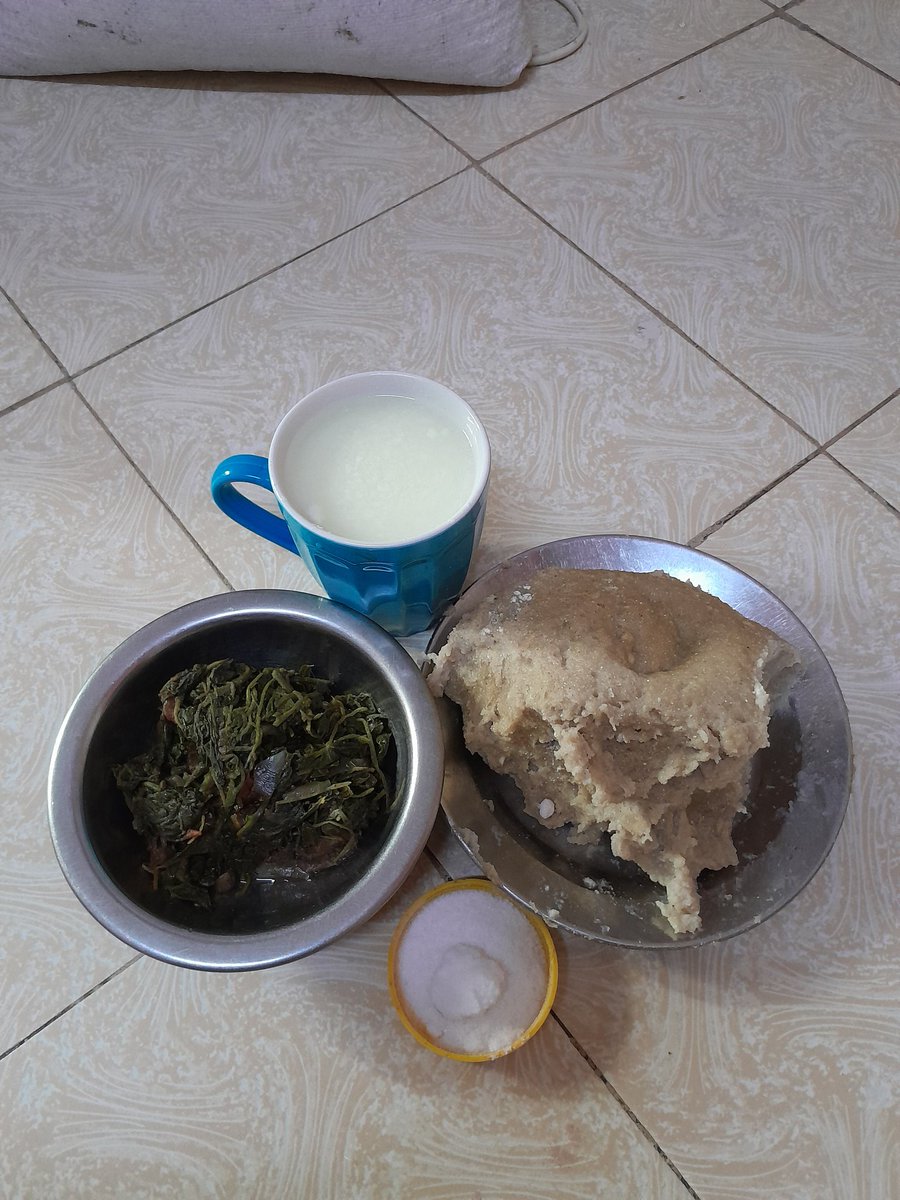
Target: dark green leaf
[249,762]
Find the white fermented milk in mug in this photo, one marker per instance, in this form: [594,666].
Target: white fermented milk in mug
[382,480]
[379,469]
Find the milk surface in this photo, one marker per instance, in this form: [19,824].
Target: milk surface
[379,470]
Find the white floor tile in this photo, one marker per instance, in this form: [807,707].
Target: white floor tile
[129,206]
[87,556]
[751,196]
[25,366]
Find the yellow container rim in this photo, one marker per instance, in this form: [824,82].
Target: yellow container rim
[416,1029]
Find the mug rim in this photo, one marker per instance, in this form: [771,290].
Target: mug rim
[405,379]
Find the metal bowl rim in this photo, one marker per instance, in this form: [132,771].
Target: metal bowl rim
[150,934]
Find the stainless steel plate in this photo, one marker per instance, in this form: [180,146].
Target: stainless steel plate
[798,796]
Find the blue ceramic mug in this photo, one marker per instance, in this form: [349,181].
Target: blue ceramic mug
[381,479]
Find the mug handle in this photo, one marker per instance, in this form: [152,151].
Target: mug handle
[249,468]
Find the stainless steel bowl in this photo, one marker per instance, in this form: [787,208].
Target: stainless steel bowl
[284,915]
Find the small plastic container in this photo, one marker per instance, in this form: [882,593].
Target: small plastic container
[414,947]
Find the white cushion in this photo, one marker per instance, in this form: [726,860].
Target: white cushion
[480,42]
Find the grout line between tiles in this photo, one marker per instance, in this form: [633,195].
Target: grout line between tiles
[859,420]
[68,1008]
[621,1102]
[701,537]
[867,487]
[626,87]
[178,521]
[792,20]
[434,129]
[32,396]
[263,275]
[827,446]
[660,316]
[437,864]
[5,294]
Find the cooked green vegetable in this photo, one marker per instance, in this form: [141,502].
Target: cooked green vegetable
[254,765]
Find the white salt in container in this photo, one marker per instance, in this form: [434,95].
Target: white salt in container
[471,973]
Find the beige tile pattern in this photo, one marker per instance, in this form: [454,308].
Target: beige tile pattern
[627,39]
[869,28]
[752,196]
[767,1066]
[872,451]
[598,414]
[336,1101]
[125,208]
[87,555]
[25,366]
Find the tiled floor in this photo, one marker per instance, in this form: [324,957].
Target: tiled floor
[666,273]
